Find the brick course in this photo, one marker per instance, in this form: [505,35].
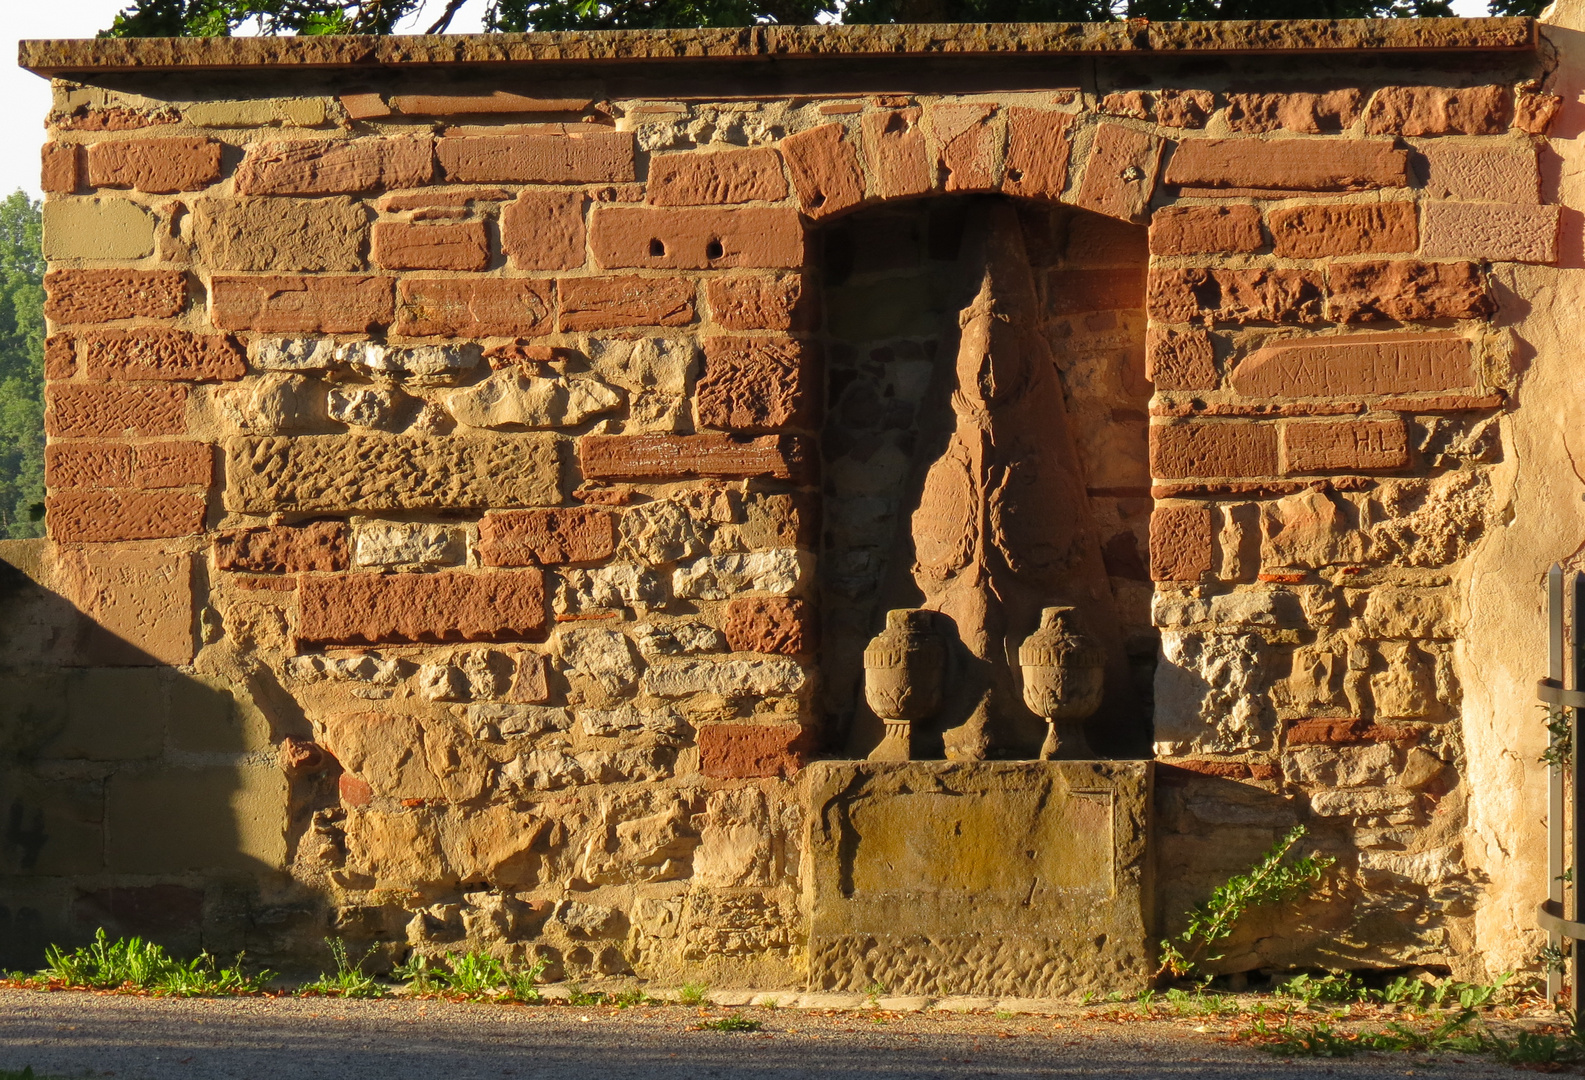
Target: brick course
[769,624]
[546,537]
[1038,146]
[285,549]
[155,165]
[741,751]
[1288,164]
[695,178]
[760,302]
[1180,543]
[543,230]
[755,384]
[1345,446]
[1439,110]
[1407,291]
[291,304]
[1259,295]
[88,296]
[473,307]
[334,166]
[101,517]
[452,605]
[1192,230]
[1356,364]
[398,245]
[101,411]
[825,170]
[895,148]
[668,238]
[578,157]
[1180,451]
[632,457]
[1492,231]
[603,303]
[1313,232]
[157,353]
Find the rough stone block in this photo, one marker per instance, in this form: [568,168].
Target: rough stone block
[450,605]
[759,302]
[1345,446]
[674,238]
[755,384]
[173,465]
[740,751]
[580,156]
[1038,145]
[632,457]
[280,234]
[408,545]
[1407,613]
[1407,291]
[97,517]
[284,549]
[1180,543]
[209,818]
[86,296]
[99,411]
[334,166]
[1533,108]
[139,604]
[710,178]
[458,245]
[61,172]
[770,624]
[1357,364]
[894,146]
[1180,360]
[1184,108]
[473,307]
[69,466]
[97,229]
[1288,164]
[1191,230]
[1121,175]
[155,353]
[391,472]
[605,303]
[720,577]
[1305,112]
[825,170]
[1196,449]
[1313,232]
[284,303]
[546,537]
[1439,110]
[543,230]
[965,145]
[1256,295]
[1498,232]
[1458,170]
[162,166]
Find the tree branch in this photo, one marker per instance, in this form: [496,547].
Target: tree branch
[442,23]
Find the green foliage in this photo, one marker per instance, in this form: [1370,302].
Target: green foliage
[1560,737]
[692,993]
[349,981]
[577,995]
[21,368]
[135,964]
[1322,1040]
[473,975]
[1272,880]
[734,1022]
[1199,1003]
[1332,988]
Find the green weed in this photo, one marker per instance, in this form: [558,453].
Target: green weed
[1199,1003]
[577,995]
[692,994]
[627,999]
[735,1022]
[349,981]
[132,963]
[1334,989]
[473,975]
[27,1072]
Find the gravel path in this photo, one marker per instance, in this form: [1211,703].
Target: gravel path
[73,1034]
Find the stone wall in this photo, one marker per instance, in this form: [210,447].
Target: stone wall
[477,466]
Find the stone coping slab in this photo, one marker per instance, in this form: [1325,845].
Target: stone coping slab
[64,57]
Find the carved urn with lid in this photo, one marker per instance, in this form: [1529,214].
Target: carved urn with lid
[1064,678]
[902,677]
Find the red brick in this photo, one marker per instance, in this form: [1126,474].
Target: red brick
[1498,232]
[696,239]
[289,549]
[99,517]
[1184,108]
[1356,364]
[1326,730]
[1121,175]
[107,411]
[1310,113]
[633,457]
[1457,170]
[368,106]
[1439,110]
[894,145]
[454,605]
[755,384]
[758,302]
[603,303]
[770,624]
[353,791]
[1288,164]
[1180,543]
[966,146]
[400,245]
[158,353]
[497,101]
[586,156]
[335,166]
[1133,104]
[1257,295]
[1195,449]
[546,537]
[543,230]
[1073,292]
[291,303]
[1312,232]
[474,307]
[740,751]
[1180,360]
[86,296]
[173,465]
[73,466]
[1192,230]
[1407,291]
[1533,108]
[1231,770]
[1038,145]
[825,170]
[61,173]
[60,356]
[159,166]
[709,178]
[1345,446]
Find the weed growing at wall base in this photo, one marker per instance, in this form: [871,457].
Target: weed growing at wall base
[135,964]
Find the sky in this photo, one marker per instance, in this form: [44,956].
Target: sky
[27,96]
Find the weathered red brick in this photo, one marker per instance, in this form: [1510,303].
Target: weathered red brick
[85,296]
[158,166]
[1038,145]
[1457,170]
[452,605]
[770,624]
[825,170]
[1180,359]
[335,166]
[158,353]
[1257,295]
[474,307]
[1192,230]
[1326,730]
[966,146]
[1313,232]
[1288,164]
[1439,110]
[1134,104]
[583,154]
[288,549]
[894,145]
[760,302]
[633,457]
[546,537]
[172,465]
[1407,291]
[401,245]
[1499,232]
[1534,108]
[740,751]
[603,303]
[666,238]
[1172,774]
[1356,364]
[100,517]
[1180,543]
[1345,446]
[1073,292]
[60,356]
[292,303]
[543,230]
[61,173]
[109,411]
[497,101]
[365,106]
[710,178]
[1310,113]
[81,465]
[1184,108]
[1198,448]
[755,384]
[1121,175]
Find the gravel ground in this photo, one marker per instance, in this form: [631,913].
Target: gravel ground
[76,1034]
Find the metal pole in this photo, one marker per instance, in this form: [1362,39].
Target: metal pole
[1577,785]
[1554,856]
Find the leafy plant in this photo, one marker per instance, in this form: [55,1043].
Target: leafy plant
[1199,1003]
[1334,988]
[349,980]
[627,999]
[135,964]
[1560,737]
[1322,1040]
[522,986]
[577,995]
[734,1022]
[1274,879]
[692,994]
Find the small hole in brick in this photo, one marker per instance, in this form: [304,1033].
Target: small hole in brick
[1014,175]
[657,249]
[713,250]
[819,199]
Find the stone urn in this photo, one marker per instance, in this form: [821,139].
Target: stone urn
[1064,678]
[903,667]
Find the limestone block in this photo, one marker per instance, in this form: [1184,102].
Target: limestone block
[402,757]
[274,404]
[370,668]
[1361,802]
[1310,529]
[442,682]
[630,720]
[609,588]
[407,544]
[493,721]
[1366,765]
[361,406]
[97,229]
[292,354]
[721,577]
[604,656]
[1407,688]
[139,601]
[170,819]
[262,112]
[1274,608]
[735,844]
[1409,613]
[650,363]
[726,678]
[677,638]
[281,234]
[543,770]
[512,399]
[428,364]
[1430,867]
[660,532]
[1209,693]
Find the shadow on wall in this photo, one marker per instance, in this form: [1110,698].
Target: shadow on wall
[137,793]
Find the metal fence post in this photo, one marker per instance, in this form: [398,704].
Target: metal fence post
[1555,810]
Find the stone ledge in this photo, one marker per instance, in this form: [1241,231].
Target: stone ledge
[62,57]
